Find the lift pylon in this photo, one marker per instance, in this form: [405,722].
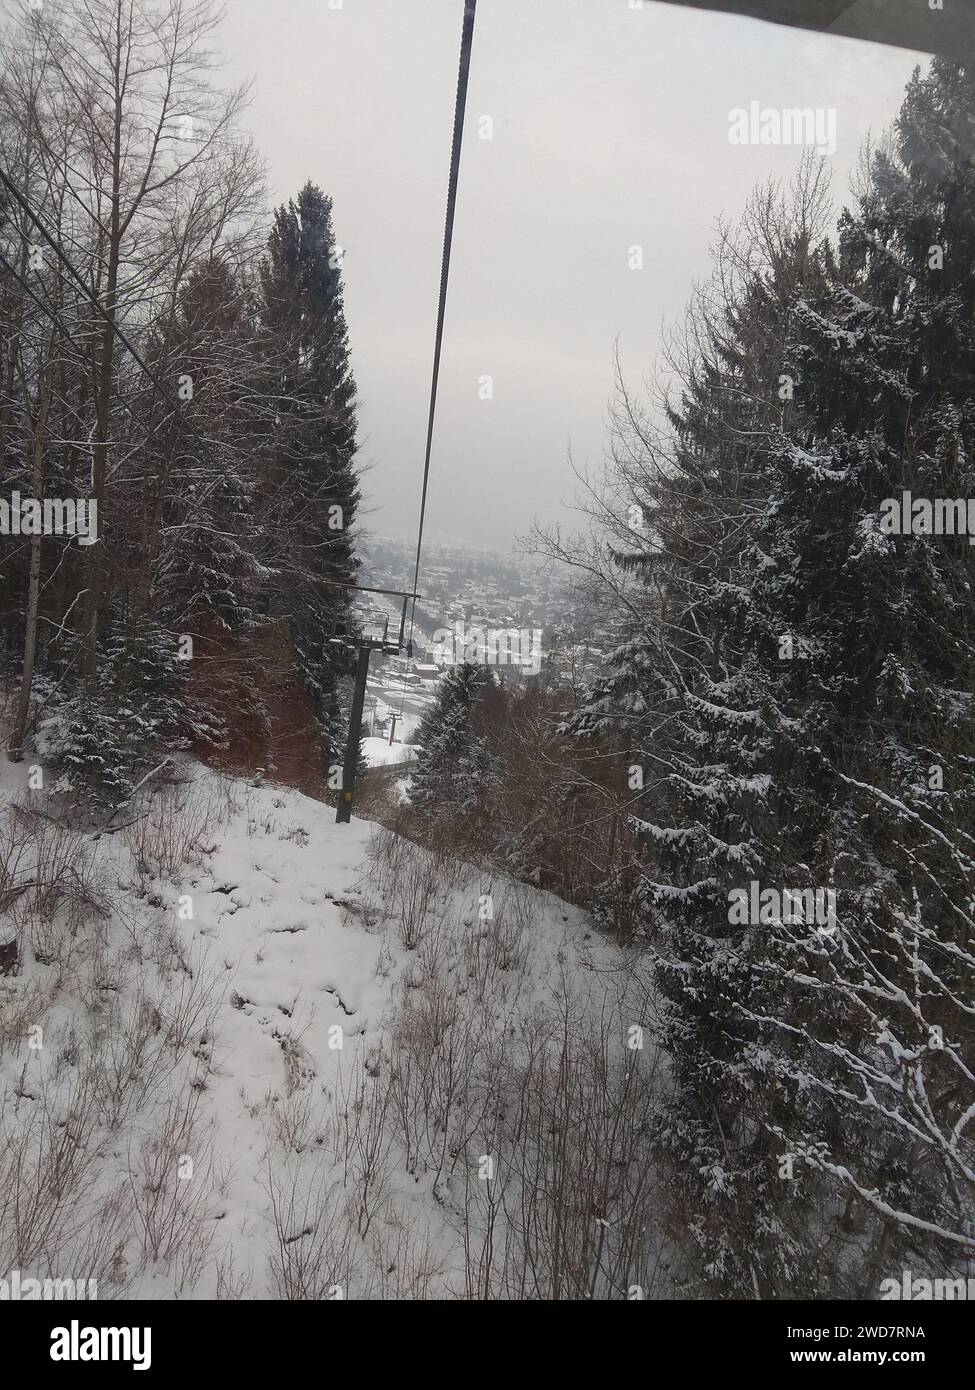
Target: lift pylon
[375,638]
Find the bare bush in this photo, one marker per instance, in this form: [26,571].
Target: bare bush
[23,1005]
[300,1122]
[170,1183]
[314,1249]
[176,827]
[231,794]
[497,946]
[232,1284]
[48,1166]
[387,852]
[437,1048]
[49,888]
[363,1123]
[189,1011]
[405,1261]
[416,892]
[572,1210]
[126,1054]
[437,947]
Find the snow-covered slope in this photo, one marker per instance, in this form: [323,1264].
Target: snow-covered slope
[282,1059]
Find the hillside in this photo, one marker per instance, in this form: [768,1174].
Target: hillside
[252,1053]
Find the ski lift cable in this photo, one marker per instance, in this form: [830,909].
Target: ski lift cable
[460,106]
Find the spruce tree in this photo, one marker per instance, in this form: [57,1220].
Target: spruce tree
[874,1046]
[452,758]
[208,573]
[312,480]
[811,698]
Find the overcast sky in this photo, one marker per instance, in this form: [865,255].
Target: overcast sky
[610,129]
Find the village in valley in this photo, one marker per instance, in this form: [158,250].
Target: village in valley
[506,610]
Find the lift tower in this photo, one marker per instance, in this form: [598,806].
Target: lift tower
[374,638]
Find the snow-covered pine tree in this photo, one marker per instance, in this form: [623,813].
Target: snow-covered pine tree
[203,526]
[207,570]
[100,740]
[866,1034]
[452,758]
[693,691]
[821,692]
[312,483]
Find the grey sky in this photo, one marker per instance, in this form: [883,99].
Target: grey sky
[610,129]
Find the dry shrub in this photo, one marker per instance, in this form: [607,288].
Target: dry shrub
[387,852]
[499,946]
[364,1133]
[48,1165]
[176,827]
[314,1250]
[406,1265]
[23,1005]
[170,1181]
[54,1219]
[570,1209]
[439,1041]
[138,1038]
[232,1284]
[416,892]
[230,794]
[300,1121]
[535,1123]
[189,1009]
[127,1056]
[377,796]
[49,888]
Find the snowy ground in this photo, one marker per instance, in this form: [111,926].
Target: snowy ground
[260,1051]
[381,753]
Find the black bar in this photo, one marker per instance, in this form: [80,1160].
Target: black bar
[365,589]
[234,1341]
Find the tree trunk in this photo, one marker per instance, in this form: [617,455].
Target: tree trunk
[15,748]
[103,395]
